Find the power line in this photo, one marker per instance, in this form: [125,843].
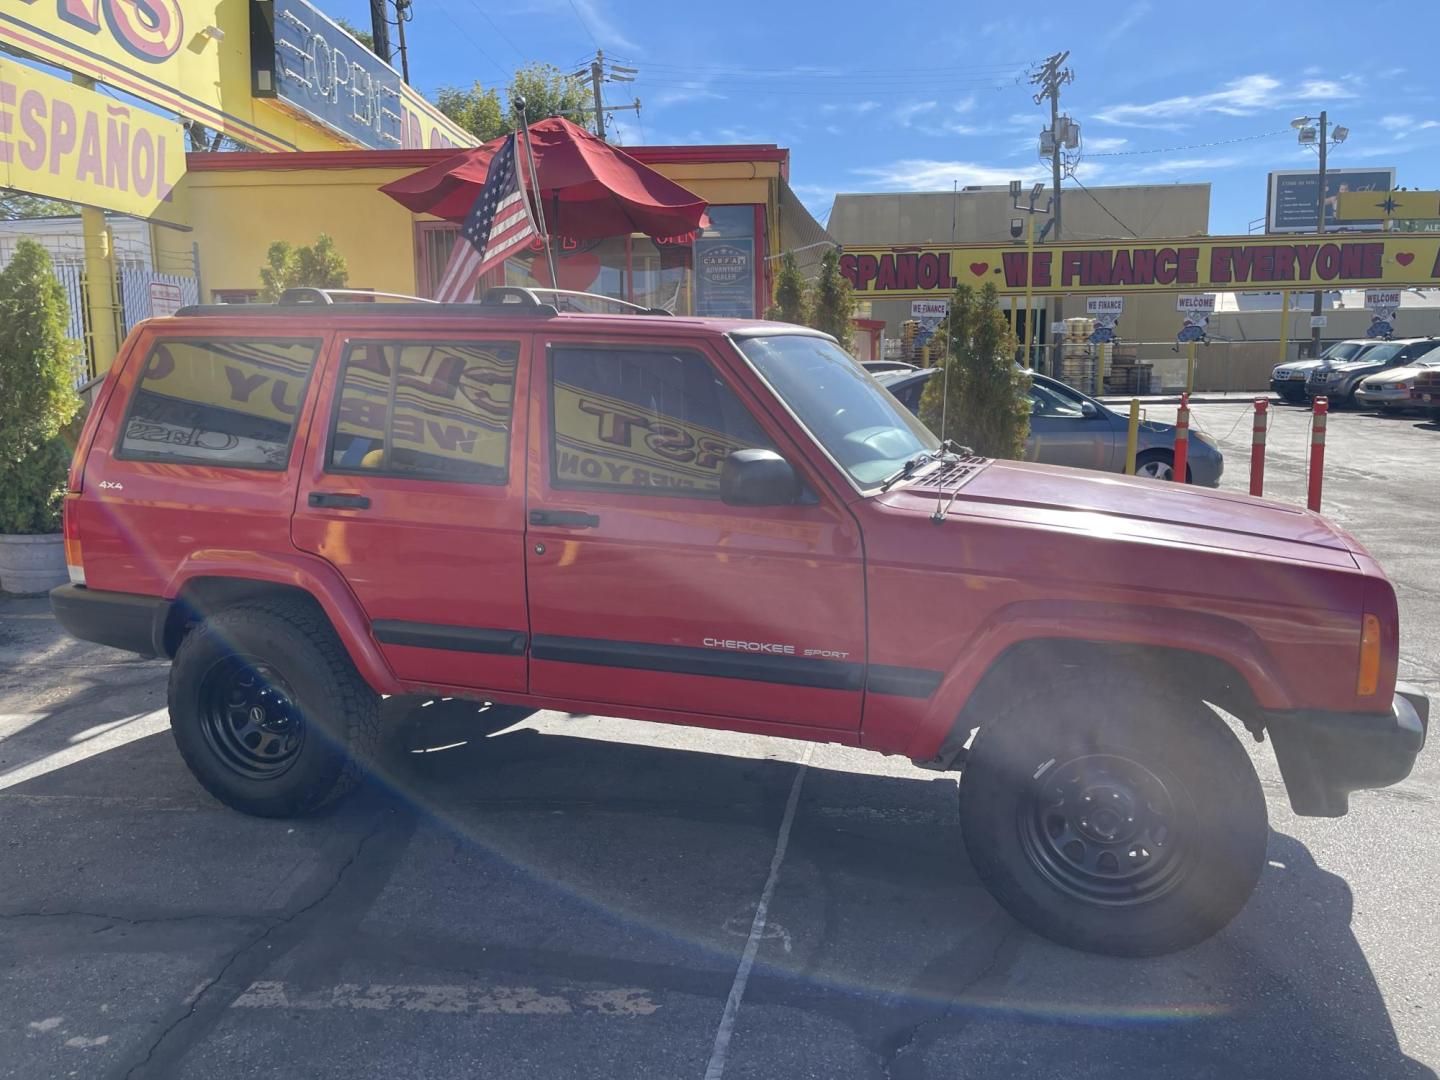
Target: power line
[467,35]
[1193,146]
[581,19]
[504,36]
[832,73]
[1097,202]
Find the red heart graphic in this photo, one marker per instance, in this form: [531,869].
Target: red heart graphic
[1404,258]
[979,268]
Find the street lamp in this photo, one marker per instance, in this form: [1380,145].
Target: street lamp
[1311,131]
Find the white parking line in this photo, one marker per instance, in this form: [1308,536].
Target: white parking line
[109,737]
[716,1069]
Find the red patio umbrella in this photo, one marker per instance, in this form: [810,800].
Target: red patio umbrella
[590,190]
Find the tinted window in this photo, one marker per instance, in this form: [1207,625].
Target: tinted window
[436,410]
[633,420]
[1048,402]
[229,402]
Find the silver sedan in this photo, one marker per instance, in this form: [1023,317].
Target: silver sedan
[1389,391]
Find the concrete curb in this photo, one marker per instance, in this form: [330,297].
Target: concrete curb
[1195,399]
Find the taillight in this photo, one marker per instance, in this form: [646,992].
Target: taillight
[1368,680]
[74,563]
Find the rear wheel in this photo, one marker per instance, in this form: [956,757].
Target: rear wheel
[1158,465]
[1126,823]
[268,711]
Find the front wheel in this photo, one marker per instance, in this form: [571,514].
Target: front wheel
[1123,822]
[1158,465]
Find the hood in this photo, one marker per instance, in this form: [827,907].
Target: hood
[1395,374]
[1127,508]
[1299,365]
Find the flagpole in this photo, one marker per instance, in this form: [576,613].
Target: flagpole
[538,202]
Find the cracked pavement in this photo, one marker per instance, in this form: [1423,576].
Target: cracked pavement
[570,898]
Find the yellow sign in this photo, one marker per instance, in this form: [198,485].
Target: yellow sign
[1212,264]
[190,57]
[66,142]
[1387,205]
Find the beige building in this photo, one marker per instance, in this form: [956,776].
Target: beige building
[979,215]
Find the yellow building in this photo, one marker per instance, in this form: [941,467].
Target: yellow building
[236,205]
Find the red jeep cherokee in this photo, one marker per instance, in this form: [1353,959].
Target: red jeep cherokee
[726,524]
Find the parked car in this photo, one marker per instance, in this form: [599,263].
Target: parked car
[1389,391]
[1069,428]
[1287,381]
[1337,382]
[1426,393]
[877,366]
[729,524]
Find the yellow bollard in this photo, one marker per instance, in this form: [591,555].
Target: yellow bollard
[1190,368]
[1132,437]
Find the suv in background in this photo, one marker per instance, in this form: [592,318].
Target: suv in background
[1287,381]
[727,524]
[1338,381]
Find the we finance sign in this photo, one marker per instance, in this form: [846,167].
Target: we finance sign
[66,142]
[1213,264]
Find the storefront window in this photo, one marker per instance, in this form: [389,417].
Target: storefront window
[712,273]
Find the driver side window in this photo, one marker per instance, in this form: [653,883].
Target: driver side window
[1046,402]
[658,421]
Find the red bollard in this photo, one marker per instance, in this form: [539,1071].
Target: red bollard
[1182,440]
[1257,448]
[1317,452]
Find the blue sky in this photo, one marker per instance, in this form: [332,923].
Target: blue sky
[878,97]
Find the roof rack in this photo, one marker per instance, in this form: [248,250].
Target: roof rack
[308,294]
[562,299]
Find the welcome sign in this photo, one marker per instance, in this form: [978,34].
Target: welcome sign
[1190,265]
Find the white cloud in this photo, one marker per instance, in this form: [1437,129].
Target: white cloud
[905,115]
[1104,145]
[1325,90]
[859,108]
[1133,15]
[1397,122]
[964,105]
[1239,97]
[1178,166]
[690,90]
[924,174]
[598,20]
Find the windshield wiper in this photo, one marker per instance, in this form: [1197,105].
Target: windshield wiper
[904,472]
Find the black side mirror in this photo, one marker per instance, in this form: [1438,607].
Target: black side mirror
[758,477]
[1088,410]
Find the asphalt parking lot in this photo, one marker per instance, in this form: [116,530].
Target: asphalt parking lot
[573,897]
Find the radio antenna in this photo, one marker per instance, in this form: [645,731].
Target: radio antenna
[944,398]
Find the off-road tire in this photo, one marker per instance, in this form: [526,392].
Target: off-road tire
[339,711]
[1215,841]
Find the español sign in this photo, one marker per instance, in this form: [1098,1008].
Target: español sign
[1220,264]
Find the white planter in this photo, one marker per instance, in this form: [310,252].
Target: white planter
[32,564]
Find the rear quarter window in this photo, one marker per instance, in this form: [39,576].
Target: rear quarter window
[230,402]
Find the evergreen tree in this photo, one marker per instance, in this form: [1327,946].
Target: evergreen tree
[317,265]
[988,407]
[791,301]
[833,306]
[38,366]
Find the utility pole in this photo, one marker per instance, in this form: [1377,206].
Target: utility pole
[380,28]
[1051,78]
[403,15]
[597,73]
[601,72]
[1319,228]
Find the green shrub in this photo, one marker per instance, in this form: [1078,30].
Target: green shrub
[37,395]
[988,406]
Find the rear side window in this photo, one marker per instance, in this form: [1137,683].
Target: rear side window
[658,421]
[221,401]
[436,410]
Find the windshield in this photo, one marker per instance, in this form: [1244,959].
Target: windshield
[858,423]
[1342,351]
[1380,353]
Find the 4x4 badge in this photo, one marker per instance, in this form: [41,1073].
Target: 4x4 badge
[111,485]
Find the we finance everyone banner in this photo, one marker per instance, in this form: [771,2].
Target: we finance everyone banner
[1212,264]
[66,142]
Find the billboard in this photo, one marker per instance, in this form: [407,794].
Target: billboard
[64,141]
[1190,265]
[1292,194]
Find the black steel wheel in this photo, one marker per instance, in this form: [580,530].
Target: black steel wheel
[268,710]
[249,717]
[1105,829]
[1113,816]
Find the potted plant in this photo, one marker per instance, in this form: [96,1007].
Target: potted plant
[37,401]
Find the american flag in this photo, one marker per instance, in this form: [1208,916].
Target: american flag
[497,226]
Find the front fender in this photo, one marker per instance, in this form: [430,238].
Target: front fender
[310,574]
[1224,639]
